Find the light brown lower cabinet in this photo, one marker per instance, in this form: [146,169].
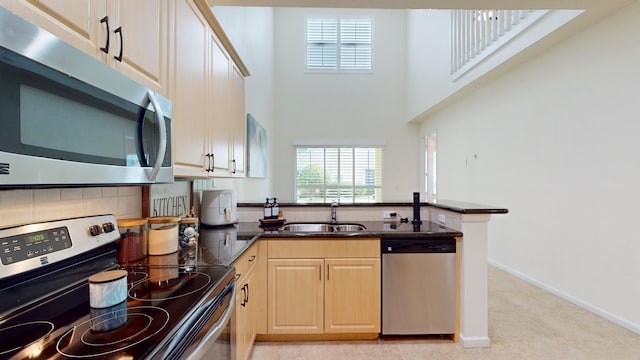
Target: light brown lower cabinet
[324,286]
[244,326]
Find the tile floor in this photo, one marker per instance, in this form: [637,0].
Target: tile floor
[525,322]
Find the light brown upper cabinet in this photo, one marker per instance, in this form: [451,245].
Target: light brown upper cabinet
[208,92]
[130,36]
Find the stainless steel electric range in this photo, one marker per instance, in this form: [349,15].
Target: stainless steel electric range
[170,311]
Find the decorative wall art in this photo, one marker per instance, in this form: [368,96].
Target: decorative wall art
[257,148]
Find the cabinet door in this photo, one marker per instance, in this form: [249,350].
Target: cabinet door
[219,107]
[295,296]
[245,329]
[144,41]
[238,121]
[352,296]
[189,65]
[76,22]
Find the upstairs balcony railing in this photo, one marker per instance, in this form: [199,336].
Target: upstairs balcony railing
[477,33]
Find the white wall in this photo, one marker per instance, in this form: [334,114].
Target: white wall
[344,109]
[555,141]
[250,29]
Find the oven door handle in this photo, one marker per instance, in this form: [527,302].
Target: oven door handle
[185,339]
[162,144]
[219,327]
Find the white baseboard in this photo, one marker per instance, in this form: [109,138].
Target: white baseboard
[583,304]
[474,341]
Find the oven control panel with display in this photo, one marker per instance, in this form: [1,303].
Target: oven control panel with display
[21,247]
[32,246]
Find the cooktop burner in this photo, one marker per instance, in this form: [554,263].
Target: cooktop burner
[160,284]
[92,338]
[13,338]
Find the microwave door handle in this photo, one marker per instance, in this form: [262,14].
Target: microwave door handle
[162,145]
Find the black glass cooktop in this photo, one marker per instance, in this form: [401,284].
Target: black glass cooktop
[161,300]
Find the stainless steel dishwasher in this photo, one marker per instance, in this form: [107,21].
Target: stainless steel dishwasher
[418,286]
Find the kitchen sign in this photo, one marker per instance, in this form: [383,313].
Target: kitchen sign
[169,199]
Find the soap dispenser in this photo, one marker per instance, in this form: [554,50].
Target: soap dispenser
[267,209]
[275,209]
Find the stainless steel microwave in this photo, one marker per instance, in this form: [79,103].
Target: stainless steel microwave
[69,119]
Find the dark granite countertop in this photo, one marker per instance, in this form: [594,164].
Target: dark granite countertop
[451,205]
[373,229]
[214,249]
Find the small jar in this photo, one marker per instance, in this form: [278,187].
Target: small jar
[133,240]
[188,232]
[162,236]
[107,288]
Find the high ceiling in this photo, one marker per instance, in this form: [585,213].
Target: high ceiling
[597,5]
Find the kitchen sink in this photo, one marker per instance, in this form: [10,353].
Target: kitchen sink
[323,227]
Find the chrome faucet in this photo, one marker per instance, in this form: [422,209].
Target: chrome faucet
[334,211]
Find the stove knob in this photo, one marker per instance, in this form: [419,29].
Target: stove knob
[108,227]
[95,230]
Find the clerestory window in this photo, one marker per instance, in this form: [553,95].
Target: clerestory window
[339,44]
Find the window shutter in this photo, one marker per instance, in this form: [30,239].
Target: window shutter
[322,44]
[355,44]
[344,174]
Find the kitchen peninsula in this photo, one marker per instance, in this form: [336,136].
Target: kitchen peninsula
[464,221]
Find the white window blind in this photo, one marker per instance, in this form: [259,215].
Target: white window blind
[344,44]
[343,174]
[322,43]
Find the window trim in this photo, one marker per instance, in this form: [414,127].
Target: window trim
[338,69]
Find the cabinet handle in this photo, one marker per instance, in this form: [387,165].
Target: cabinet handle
[320,271]
[209,161]
[253,257]
[105,49]
[247,294]
[119,31]
[244,299]
[234,166]
[327,272]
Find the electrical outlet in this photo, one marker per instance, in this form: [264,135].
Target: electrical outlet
[442,219]
[389,214]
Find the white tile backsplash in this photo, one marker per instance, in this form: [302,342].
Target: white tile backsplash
[34,205]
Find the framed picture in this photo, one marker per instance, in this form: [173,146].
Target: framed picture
[257,148]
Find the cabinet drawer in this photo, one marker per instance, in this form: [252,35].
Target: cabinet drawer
[247,260]
[323,248]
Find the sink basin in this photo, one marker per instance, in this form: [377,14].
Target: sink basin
[322,227]
[349,227]
[307,227]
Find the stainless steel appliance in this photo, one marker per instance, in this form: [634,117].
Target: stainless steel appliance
[70,119]
[418,286]
[171,311]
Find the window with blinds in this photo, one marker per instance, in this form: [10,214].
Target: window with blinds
[339,44]
[338,173]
